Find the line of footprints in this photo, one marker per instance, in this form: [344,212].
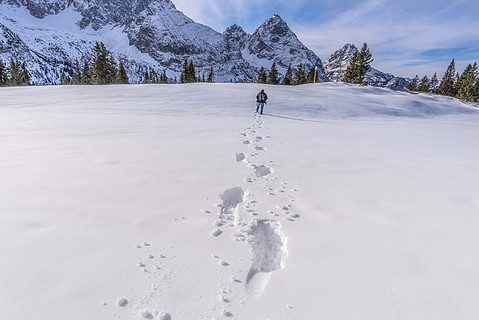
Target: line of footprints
[244,214]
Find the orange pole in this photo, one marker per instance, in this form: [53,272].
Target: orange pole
[315,71]
[325,70]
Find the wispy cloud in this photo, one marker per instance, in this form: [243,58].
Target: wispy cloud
[401,40]
[220,14]
[406,37]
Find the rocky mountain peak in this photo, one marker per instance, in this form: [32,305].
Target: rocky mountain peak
[234,29]
[234,38]
[338,62]
[274,26]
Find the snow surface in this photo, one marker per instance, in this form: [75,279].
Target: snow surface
[178,202]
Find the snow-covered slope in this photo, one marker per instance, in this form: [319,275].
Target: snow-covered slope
[178,202]
[52,35]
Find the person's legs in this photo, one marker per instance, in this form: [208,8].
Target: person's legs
[262,106]
[257,106]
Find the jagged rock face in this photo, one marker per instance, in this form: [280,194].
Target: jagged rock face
[376,77]
[338,62]
[169,36]
[398,83]
[274,41]
[234,38]
[40,8]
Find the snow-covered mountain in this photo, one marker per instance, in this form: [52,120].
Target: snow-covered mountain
[274,40]
[338,62]
[50,35]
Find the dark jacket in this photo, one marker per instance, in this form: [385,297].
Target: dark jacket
[261,97]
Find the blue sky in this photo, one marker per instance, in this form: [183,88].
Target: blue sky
[406,37]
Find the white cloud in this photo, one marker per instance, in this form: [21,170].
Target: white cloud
[396,36]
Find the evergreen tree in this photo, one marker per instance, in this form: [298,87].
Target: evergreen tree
[190,73]
[433,83]
[310,76]
[211,76]
[113,69]
[475,91]
[413,85]
[468,81]
[15,78]
[85,75]
[184,72]
[273,75]
[446,87]
[3,74]
[262,75]
[359,65]
[122,77]
[154,76]
[423,85]
[64,79]
[76,76]
[288,76]
[352,74]
[299,76]
[163,78]
[25,75]
[146,77]
[365,59]
[102,65]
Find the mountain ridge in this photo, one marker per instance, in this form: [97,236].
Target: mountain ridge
[51,35]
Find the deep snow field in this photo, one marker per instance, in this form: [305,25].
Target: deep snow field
[179,202]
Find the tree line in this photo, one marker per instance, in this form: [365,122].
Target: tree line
[16,74]
[299,77]
[100,69]
[463,86]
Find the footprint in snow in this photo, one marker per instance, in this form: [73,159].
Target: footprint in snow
[240,156]
[226,313]
[122,302]
[145,314]
[261,171]
[269,254]
[223,263]
[216,232]
[163,315]
[231,198]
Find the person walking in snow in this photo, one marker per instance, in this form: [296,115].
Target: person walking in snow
[261,98]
